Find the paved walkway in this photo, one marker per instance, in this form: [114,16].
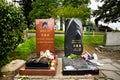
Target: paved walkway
[109,71]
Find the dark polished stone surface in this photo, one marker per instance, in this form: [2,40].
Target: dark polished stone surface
[77,63]
[33,64]
[77,66]
[73,37]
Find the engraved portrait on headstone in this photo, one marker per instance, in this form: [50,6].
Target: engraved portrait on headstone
[44,24]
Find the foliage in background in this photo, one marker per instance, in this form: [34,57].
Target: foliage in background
[26,7]
[11,30]
[61,9]
[109,11]
[42,9]
[74,9]
[69,11]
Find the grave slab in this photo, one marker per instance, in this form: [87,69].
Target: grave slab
[58,76]
[46,72]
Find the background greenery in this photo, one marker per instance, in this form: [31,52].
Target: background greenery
[11,30]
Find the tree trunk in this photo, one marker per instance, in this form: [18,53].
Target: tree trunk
[61,23]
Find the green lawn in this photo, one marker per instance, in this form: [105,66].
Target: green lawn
[59,42]
[90,42]
[93,40]
[62,32]
[25,49]
[29,46]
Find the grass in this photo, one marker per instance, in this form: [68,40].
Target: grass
[62,32]
[96,40]
[90,42]
[87,40]
[25,49]
[29,46]
[59,42]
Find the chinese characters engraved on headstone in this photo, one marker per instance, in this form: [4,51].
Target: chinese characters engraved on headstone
[44,35]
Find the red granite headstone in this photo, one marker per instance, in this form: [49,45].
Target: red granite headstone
[44,35]
[44,41]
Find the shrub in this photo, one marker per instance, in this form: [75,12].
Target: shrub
[11,31]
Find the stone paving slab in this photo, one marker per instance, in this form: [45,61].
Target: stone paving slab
[118,60]
[118,72]
[111,75]
[105,61]
[12,66]
[108,67]
[116,65]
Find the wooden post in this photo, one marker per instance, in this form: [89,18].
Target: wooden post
[93,33]
[25,34]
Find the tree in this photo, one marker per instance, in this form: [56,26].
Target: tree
[26,9]
[74,9]
[75,3]
[11,31]
[81,12]
[108,12]
[42,9]
[62,8]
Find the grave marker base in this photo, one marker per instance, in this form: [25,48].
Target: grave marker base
[45,72]
[84,69]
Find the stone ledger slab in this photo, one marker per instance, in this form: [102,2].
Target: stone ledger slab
[45,72]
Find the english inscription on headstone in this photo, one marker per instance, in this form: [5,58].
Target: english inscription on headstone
[44,35]
[73,37]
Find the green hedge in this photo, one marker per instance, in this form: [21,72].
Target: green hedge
[11,30]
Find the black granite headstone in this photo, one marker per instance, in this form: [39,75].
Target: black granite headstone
[73,45]
[73,37]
